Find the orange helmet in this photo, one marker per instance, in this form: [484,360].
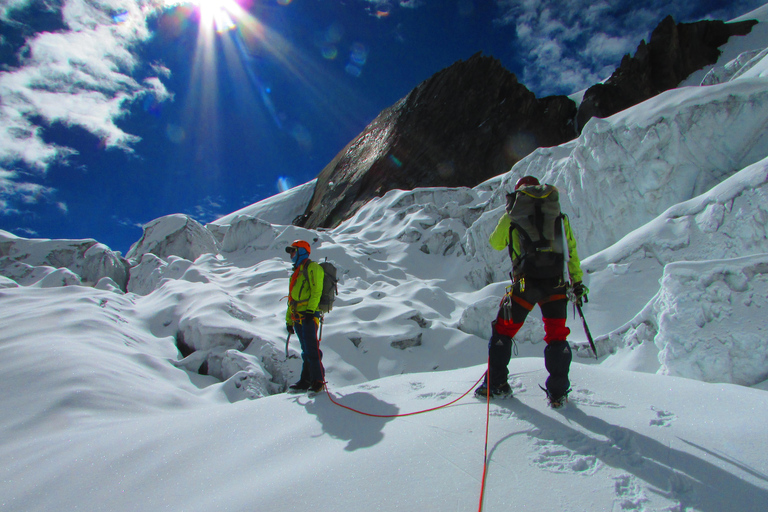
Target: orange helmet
[526,181]
[298,244]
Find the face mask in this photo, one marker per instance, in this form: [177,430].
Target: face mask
[299,256]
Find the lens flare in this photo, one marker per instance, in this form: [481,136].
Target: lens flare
[330,52]
[358,54]
[353,70]
[284,183]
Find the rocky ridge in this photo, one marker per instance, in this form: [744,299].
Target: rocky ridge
[674,51]
[474,120]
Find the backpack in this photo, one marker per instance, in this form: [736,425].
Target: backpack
[330,288]
[535,214]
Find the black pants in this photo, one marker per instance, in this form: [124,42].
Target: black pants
[551,298]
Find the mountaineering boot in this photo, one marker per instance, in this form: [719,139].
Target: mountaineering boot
[316,386]
[500,391]
[300,386]
[558,402]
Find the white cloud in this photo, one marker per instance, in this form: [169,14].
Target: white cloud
[210,209]
[80,77]
[602,46]
[558,57]
[564,41]
[8,6]
[13,192]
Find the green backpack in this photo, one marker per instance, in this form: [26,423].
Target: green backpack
[535,214]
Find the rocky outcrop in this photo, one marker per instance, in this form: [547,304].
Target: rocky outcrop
[674,52]
[467,123]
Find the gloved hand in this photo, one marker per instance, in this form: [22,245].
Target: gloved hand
[309,316]
[290,329]
[580,291]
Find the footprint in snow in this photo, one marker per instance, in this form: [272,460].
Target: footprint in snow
[663,418]
[440,395]
[556,458]
[629,493]
[588,398]
[415,386]
[517,386]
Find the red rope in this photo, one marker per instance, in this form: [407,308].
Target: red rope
[399,415]
[487,422]
[487,416]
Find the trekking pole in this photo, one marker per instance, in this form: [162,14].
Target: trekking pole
[586,328]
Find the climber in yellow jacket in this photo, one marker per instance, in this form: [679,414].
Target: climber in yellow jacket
[302,317]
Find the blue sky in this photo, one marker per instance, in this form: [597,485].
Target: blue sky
[117,112]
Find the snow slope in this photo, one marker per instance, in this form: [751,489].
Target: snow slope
[164,393]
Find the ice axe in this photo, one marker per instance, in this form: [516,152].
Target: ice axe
[586,328]
[577,302]
[287,340]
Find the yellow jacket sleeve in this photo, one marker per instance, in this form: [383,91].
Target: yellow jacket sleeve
[499,239]
[574,264]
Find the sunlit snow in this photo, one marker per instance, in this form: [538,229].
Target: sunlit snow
[160,386]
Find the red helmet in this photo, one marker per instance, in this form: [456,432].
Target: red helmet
[298,244]
[526,181]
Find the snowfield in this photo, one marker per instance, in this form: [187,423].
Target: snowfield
[159,384]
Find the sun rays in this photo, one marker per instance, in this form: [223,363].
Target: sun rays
[239,61]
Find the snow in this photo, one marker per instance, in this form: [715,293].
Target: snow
[282,207]
[163,391]
[174,235]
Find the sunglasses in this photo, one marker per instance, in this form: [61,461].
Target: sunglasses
[290,250]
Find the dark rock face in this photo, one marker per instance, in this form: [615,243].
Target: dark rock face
[673,53]
[467,123]
[473,120]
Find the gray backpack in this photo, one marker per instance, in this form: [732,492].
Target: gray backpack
[535,214]
[330,286]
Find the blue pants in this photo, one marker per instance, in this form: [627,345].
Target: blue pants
[311,355]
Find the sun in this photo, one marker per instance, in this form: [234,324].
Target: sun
[221,15]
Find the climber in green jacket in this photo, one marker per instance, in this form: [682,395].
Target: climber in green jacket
[541,246]
[302,318]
